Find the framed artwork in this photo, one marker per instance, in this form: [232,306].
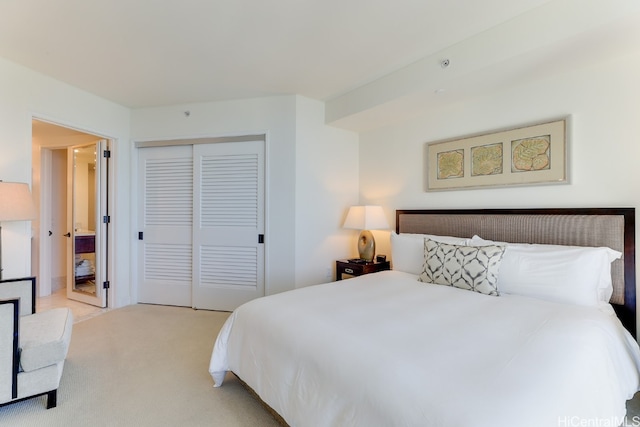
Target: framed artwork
[528,155]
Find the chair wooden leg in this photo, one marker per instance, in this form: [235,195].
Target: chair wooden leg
[52,399]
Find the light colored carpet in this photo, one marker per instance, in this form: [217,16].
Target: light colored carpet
[143,365]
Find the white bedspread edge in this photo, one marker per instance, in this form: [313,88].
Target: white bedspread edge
[219,364]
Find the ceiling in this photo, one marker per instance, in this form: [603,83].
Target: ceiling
[147,53]
[47,134]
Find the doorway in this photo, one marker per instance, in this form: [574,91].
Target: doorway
[71,234]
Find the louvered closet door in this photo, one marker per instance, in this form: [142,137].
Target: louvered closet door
[165,206]
[228,259]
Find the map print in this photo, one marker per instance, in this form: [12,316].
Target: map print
[450,164]
[531,154]
[486,160]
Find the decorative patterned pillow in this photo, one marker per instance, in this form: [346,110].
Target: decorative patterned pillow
[474,268]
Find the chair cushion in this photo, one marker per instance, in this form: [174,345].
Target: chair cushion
[44,338]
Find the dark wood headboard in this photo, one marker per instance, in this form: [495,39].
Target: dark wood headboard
[611,227]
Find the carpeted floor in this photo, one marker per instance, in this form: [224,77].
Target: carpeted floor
[143,365]
[146,365]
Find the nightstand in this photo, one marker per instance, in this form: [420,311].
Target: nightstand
[343,266]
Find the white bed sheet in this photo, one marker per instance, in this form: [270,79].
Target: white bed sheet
[386,350]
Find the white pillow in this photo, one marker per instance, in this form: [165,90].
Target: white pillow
[571,274]
[407,250]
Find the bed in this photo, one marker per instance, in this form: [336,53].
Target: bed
[513,344]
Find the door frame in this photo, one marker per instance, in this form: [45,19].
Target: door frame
[101,229]
[42,265]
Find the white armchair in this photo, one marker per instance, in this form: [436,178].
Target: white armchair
[33,346]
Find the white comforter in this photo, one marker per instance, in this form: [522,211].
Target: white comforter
[386,350]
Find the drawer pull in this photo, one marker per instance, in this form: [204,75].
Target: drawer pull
[348,270]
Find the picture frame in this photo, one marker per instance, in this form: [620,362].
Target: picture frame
[524,155]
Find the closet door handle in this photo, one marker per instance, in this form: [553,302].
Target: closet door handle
[67,235]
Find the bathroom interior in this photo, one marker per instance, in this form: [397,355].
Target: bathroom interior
[74,219]
[84,217]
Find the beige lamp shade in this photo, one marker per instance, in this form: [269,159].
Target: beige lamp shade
[366,218]
[16,203]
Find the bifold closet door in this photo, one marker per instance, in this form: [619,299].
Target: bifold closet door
[228,226]
[165,209]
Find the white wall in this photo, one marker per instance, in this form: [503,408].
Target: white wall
[27,94]
[324,177]
[275,117]
[311,176]
[308,192]
[311,167]
[604,143]
[326,185]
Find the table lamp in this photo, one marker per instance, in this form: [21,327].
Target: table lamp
[16,204]
[366,218]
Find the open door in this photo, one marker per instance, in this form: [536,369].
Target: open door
[87,223]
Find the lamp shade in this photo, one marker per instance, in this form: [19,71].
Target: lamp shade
[16,203]
[366,218]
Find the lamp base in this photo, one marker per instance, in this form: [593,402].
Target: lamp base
[366,245]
